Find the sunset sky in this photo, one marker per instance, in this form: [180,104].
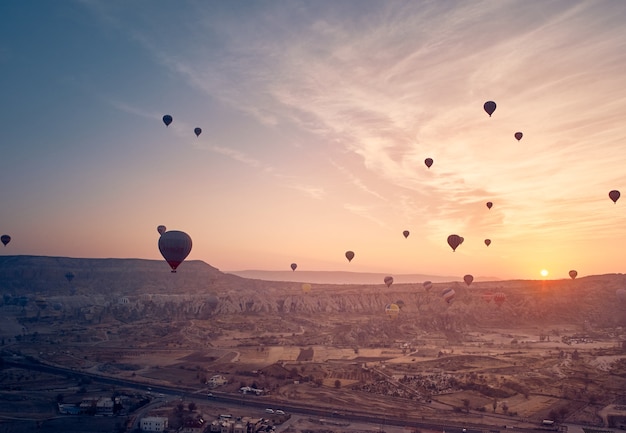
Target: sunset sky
[317,117]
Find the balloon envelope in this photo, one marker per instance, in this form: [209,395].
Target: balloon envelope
[167,119]
[161,229]
[406,233]
[306,287]
[518,136]
[428,162]
[349,255]
[454,241]
[392,310]
[388,281]
[489,204]
[489,107]
[294,266]
[197,131]
[468,279]
[175,246]
[427,285]
[614,195]
[69,276]
[448,294]
[5,239]
[499,298]
[573,274]
[487,242]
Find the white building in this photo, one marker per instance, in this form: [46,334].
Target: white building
[153,423]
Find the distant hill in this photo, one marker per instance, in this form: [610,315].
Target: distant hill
[330,277]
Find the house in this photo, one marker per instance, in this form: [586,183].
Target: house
[104,406]
[153,423]
[217,380]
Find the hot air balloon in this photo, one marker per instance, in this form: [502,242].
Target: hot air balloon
[175,246]
[454,241]
[400,303]
[161,229]
[573,274]
[428,162]
[406,233]
[69,276]
[5,239]
[392,310]
[448,294]
[349,255]
[197,131]
[167,119]
[489,107]
[294,266]
[306,287]
[518,136]
[499,298]
[388,281]
[487,242]
[489,205]
[614,195]
[427,285]
[468,279]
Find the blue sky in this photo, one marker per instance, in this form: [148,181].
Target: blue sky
[317,117]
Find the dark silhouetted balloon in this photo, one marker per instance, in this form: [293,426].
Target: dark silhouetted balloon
[294,266]
[167,119]
[197,131]
[448,294]
[388,281]
[428,162]
[406,233]
[454,241]
[468,279]
[161,229]
[5,239]
[573,274]
[349,255]
[487,242]
[614,195]
[489,205]
[518,136]
[175,246]
[490,107]
[427,285]
[69,276]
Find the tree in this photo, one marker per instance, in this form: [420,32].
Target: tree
[505,407]
[337,383]
[192,406]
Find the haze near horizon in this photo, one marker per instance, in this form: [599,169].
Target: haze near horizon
[316,121]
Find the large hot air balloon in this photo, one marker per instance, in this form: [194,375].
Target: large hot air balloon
[448,294]
[388,281]
[489,204]
[489,107]
[406,233]
[5,239]
[306,287]
[487,242]
[161,229]
[499,298]
[392,310]
[69,276]
[167,119]
[468,279]
[175,246]
[349,255]
[294,266]
[428,162]
[573,274]
[614,195]
[454,241]
[427,285]
[518,136]
[197,131]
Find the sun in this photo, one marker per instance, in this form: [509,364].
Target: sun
[544,273]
